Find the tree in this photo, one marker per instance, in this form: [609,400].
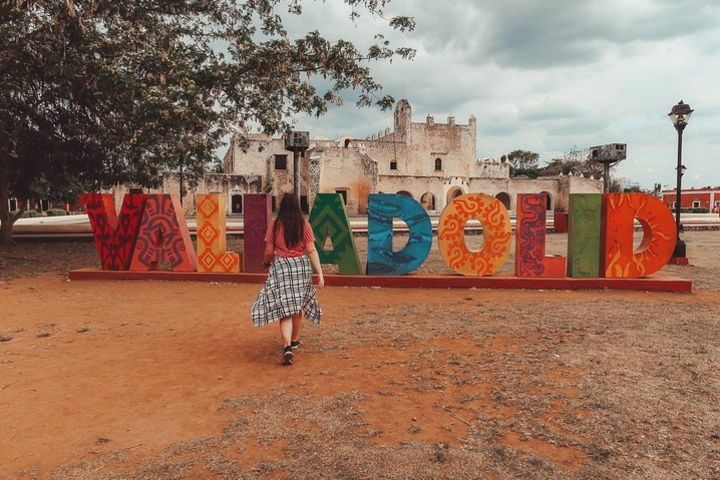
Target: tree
[522,162]
[98,93]
[573,161]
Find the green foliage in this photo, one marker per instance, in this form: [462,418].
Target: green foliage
[693,210]
[98,93]
[522,162]
[56,212]
[573,161]
[25,214]
[531,172]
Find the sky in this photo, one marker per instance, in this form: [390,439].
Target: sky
[547,76]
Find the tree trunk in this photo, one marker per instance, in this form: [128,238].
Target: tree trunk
[7,219]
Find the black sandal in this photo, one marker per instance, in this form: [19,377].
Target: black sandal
[287,358]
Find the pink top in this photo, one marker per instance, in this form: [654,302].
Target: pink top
[281,250]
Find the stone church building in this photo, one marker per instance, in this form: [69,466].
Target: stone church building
[430,161]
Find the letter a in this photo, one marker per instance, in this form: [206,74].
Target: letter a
[329,219]
[164,241]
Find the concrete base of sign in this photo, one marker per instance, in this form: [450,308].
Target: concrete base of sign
[679,261]
[655,284]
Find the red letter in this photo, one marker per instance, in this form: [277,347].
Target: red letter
[114,237]
[164,241]
[530,259]
[659,235]
[258,214]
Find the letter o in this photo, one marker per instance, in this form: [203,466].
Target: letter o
[496,229]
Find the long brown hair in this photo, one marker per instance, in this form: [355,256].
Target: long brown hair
[290,216]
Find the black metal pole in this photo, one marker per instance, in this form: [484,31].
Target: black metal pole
[678,192]
[182,192]
[296,174]
[679,245]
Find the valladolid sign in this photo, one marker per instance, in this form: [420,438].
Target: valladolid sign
[150,233]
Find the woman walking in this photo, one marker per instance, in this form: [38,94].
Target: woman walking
[288,291]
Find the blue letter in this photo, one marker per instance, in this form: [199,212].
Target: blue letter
[382,208]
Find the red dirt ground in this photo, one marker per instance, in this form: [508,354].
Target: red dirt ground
[158,359]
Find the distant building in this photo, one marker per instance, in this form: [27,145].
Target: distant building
[707,198]
[428,161]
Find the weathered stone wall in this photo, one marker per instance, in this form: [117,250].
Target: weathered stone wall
[351,171]
[229,185]
[359,167]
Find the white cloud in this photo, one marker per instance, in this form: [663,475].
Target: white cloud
[547,75]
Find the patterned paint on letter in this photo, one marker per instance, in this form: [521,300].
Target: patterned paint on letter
[114,235]
[329,219]
[496,229]
[659,235]
[212,235]
[164,240]
[530,259]
[382,209]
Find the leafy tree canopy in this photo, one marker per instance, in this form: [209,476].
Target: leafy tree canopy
[94,93]
[522,162]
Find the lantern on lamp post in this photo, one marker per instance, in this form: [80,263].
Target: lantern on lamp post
[679,115]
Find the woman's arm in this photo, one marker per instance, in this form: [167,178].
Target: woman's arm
[269,253]
[312,253]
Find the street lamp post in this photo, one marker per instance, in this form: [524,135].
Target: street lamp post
[679,115]
[298,143]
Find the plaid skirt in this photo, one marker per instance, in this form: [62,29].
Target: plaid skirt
[288,291]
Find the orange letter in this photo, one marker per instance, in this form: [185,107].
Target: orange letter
[212,235]
[496,230]
[658,241]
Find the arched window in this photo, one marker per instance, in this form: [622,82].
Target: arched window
[504,198]
[453,193]
[428,201]
[236,204]
[438,164]
[549,205]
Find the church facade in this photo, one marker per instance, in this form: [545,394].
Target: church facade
[430,161]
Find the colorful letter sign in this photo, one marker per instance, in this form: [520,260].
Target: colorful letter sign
[212,235]
[150,233]
[164,241]
[659,235]
[114,236]
[584,233]
[381,259]
[530,259]
[329,219]
[496,230]
[257,217]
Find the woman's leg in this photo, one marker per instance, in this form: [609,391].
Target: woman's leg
[286,329]
[296,323]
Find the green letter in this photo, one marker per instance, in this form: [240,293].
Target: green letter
[328,218]
[584,235]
